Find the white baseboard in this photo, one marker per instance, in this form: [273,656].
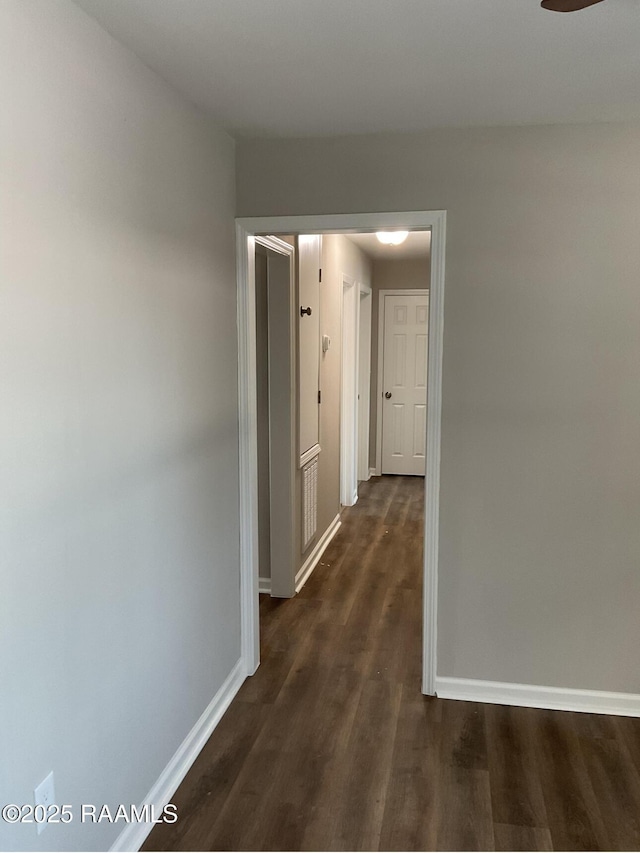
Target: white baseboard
[374,472]
[532,696]
[314,557]
[133,835]
[264,585]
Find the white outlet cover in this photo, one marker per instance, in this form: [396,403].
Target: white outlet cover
[44,795]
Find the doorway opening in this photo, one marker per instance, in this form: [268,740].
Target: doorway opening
[358,305]
[275,342]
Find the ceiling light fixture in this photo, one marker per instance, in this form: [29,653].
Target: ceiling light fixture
[568,5]
[392,238]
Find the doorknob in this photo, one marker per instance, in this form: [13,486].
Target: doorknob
[388,395]
[304,311]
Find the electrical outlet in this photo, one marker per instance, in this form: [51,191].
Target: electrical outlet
[44,795]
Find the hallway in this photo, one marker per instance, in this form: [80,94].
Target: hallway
[331,746]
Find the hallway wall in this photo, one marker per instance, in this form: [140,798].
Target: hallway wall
[339,255]
[119,539]
[540,477]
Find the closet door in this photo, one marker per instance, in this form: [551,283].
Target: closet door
[404,376]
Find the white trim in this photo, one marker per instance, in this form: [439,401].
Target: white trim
[275,244]
[314,557]
[365,305]
[246,229]
[374,472]
[283,428]
[533,696]
[310,454]
[248,450]
[248,423]
[421,291]
[331,223]
[349,313]
[133,835]
[432,477]
[264,586]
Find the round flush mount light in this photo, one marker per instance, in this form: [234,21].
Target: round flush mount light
[392,238]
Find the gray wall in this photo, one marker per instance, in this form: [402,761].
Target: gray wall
[119,611]
[339,255]
[540,491]
[407,274]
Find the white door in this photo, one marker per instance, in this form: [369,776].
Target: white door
[404,384]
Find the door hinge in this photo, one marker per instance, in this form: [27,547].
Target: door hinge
[319,397]
[320,275]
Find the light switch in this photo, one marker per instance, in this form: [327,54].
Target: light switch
[44,795]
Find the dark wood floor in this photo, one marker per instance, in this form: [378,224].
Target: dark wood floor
[330,746]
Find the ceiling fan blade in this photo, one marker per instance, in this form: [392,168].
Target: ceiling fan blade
[567,5]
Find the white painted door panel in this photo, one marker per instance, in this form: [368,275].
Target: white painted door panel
[404,387]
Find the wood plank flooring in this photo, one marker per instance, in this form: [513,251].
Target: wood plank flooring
[331,746]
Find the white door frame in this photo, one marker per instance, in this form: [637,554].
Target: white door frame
[348,392]
[364,388]
[380,388]
[283,436]
[246,230]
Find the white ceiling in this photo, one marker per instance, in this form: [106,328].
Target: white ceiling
[416,245]
[330,67]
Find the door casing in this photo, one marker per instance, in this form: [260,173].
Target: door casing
[348,393]
[246,231]
[283,444]
[364,379]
